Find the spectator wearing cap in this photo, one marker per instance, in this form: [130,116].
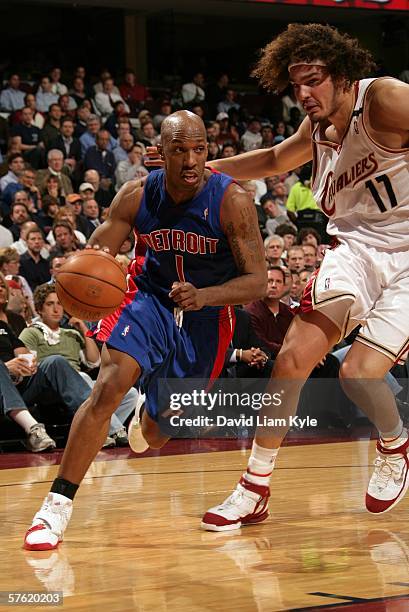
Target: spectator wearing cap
[105,99]
[55,159]
[228,102]
[75,200]
[33,266]
[44,96]
[100,158]
[227,133]
[133,92]
[12,98]
[252,137]
[86,191]
[104,190]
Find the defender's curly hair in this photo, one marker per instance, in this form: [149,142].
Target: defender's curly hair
[41,293]
[344,58]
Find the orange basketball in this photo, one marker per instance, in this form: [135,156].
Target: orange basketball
[91,285]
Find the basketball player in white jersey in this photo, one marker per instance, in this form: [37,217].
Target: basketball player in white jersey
[357,133]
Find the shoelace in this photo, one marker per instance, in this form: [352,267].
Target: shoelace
[236,498]
[387,467]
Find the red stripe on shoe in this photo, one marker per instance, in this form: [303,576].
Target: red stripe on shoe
[261,490]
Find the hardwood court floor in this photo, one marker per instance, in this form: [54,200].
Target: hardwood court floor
[134,541]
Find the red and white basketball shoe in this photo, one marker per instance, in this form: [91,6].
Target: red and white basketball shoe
[49,523]
[390,480]
[247,505]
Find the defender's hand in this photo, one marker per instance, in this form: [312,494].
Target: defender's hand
[187,296]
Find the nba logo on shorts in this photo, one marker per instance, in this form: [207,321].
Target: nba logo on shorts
[126,330]
[327,282]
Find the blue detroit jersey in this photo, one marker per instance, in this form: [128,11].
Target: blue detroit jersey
[185,241]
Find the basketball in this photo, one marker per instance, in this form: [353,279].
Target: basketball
[91,285]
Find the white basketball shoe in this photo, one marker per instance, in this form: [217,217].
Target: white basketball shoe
[247,505]
[390,479]
[49,523]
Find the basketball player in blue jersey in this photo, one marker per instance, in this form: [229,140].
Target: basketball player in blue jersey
[357,132]
[204,254]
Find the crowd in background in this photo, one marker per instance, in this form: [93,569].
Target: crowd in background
[66,148]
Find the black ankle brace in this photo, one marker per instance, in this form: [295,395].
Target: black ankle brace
[64,487]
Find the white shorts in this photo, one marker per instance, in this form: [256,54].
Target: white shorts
[361,285]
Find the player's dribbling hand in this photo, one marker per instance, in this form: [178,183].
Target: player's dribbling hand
[152,159]
[187,296]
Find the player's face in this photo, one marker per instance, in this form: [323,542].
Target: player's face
[52,311]
[185,155]
[315,90]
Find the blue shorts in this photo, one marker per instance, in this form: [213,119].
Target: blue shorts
[147,331]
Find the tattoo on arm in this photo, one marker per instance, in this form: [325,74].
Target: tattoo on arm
[247,230]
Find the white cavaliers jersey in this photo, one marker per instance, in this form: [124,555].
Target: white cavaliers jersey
[361,186]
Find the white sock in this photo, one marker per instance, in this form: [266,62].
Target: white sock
[261,464]
[23,418]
